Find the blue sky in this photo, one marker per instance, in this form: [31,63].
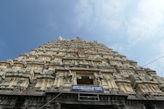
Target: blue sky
[134,28]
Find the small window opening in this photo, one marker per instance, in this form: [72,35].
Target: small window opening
[85,80]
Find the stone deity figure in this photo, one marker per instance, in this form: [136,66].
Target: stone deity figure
[69,76]
[100,78]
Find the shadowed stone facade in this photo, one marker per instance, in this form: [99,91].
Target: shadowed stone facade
[77,74]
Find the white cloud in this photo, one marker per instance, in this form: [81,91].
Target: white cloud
[141,19]
[106,13]
[161,47]
[84,12]
[147,21]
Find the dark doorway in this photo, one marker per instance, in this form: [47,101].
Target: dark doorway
[149,105]
[80,106]
[85,80]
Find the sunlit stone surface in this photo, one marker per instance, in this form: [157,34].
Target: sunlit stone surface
[88,75]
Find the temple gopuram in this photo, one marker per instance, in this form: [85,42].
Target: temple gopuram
[78,74]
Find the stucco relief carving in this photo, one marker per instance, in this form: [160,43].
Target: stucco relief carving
[59,64]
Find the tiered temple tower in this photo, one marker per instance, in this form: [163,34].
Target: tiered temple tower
[76,74]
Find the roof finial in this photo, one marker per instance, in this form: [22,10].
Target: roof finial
[78,38]
[60,38]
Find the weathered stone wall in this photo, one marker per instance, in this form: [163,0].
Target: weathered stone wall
[56,66]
